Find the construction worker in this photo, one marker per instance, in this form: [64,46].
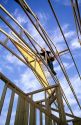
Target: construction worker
[49,59]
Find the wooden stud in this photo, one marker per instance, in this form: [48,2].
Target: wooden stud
[60,106]
[3,97]
[41,117]
[21,111]
[10,109]
[47,119]
[26,113]
[32,115]
[77,122]
[17,111]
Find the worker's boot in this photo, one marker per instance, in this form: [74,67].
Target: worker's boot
[54,72]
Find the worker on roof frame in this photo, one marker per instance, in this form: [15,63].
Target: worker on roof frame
[49,59]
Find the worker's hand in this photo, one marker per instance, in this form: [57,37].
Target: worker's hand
[39,60]
[37,53]
[57,54]
[43,50]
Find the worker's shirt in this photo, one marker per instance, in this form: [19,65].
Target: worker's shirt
[47,56]
[43,53]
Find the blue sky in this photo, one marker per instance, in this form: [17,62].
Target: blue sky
[20,74]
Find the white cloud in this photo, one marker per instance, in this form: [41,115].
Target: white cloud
[55,35]
[28,81]
[77,87]
[21,18]
[12,59]
[43,17]
[9,68]
[68,33]
[58,38]
[57,68]
[66,65]
[77,112]
[75,43]
[66,2]
[76,82]
[30,28]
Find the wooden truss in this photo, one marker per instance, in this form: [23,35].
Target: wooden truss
[26,111]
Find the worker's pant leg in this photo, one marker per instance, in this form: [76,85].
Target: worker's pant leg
[51,67]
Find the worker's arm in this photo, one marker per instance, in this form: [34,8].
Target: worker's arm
[42,54]
[39,60]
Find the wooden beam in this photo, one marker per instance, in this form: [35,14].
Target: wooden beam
[63,52]
[52,99]
[67,114]
[53,92]
[43,89]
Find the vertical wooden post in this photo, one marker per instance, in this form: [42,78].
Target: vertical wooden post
[77,122]
[53,123]
[32,120]
[17,112]
[47,119]
[10,109]
[32,115]
[22,112]
[60,106]
[41,118]
[3,97]
[26,116]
